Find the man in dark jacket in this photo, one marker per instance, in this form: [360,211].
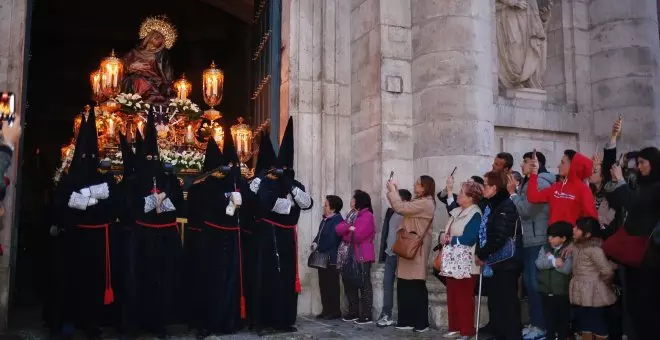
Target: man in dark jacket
[388,237]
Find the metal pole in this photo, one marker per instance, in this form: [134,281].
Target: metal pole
[481,279]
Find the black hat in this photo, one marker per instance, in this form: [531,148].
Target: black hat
[285,156]
[561,229]
[213,157]
[229,149]
[86,154]
[150,146]
[127,155]
[266,158]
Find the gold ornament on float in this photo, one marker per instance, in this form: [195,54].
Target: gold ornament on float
[161,25]
[242,135]
[97,91]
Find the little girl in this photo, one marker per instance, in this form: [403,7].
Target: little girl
[590,288]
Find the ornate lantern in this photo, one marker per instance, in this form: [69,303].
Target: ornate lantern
[213,80]
[242,135]
[182,87]
[112,73]
[95,82]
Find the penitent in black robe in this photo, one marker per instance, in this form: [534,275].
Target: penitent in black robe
[276,283]
[155,257]
[218,298]
[86,239]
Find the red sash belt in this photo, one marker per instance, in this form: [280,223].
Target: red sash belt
[240,262]
[297,284]
[109,294]
[158,226]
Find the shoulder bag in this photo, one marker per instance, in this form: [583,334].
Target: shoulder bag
[352,271]
[457,260]
[507,251]
[317,259]
[407,244]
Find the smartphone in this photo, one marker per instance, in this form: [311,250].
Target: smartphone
[391,174]
[453,171]
[8,107]
[534,154]
[620,159]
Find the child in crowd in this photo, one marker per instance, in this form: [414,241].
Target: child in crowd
[554,278]
[590,288]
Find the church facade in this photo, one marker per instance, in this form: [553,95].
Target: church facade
[416,86]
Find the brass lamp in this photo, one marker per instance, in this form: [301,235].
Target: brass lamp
[213,80]
[242,135]
[95,82]
[182,87]
[112,73]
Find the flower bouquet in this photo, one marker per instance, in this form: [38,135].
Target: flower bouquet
[186,108]
[131,103]
[185,160]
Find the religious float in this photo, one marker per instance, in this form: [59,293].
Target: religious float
[126,89]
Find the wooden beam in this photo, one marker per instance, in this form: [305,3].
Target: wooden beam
[242,9]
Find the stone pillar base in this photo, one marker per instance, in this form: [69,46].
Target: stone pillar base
[529,94]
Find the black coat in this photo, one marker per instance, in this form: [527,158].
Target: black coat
[503,223]
[384,234]
[327,239]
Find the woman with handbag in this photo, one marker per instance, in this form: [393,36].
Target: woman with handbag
[633,245]
[499,253]
[413,245]
[356,267]
[324,257]
[457,265]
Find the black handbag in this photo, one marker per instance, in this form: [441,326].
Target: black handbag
[317,259]
[353,272]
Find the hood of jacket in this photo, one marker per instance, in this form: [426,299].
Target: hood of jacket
[581,168]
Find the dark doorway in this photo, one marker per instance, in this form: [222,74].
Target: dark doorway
[68,40]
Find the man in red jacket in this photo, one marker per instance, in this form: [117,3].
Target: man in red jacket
[571,198]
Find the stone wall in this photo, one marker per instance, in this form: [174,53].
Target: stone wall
[315,91]
[12,51]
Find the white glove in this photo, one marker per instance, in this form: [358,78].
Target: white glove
[150,203]
[231,209]
[236,198]
[282,206]
[254,185]
[100,191]
[302,198]
[167,205]
[78,201]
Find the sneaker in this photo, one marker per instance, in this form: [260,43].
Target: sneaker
[464,337]
[363,321]
[534,334]
[385,321]
[423,330]
[451,335]
[349,318]
[404,328]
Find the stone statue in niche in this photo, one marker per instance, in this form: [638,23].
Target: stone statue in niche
[521,42]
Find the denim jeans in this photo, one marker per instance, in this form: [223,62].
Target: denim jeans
[531,281]
[388,285]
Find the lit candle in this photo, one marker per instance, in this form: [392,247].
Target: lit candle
[111,128]
[189,134]
[97,83]
[215,85]
[140,128]
[239,145]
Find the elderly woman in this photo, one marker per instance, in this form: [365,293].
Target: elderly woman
[412,295]
[499,227]
[327,241]
[462,231]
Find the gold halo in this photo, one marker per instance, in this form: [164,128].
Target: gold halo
[161,25]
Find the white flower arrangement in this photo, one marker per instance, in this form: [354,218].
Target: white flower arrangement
[114,158]
[186,159]
[131,103]
[186,108]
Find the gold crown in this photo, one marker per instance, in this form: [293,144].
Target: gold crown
[161,25]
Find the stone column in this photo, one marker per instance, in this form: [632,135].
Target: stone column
[625,69]
[315,92]
[12,51]
[453,92]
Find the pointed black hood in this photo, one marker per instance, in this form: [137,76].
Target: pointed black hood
[229,149]
[213,157]
[127,155]
[266,158]
[285,156]
[85,160]
[138,142]
[149,163]
[150,146]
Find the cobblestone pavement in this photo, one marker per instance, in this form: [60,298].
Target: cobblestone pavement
[308,328]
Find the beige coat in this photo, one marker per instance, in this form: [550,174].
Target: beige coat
[458,220]
[592,273]
[417,214]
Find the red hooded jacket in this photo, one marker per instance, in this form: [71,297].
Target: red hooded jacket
[570,199]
